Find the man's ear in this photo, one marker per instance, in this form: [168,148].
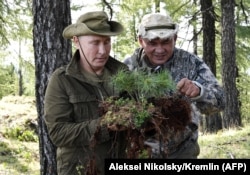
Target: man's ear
[140,41]
[175,37]
[75,40]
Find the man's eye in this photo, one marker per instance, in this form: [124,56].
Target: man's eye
[152,43]
[107,42]
[166,42]
[95,42]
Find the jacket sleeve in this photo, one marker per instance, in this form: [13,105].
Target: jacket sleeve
[59,118]
[211,98]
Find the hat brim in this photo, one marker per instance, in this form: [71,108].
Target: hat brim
[80,29]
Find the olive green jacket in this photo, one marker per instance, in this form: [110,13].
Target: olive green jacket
[72,116]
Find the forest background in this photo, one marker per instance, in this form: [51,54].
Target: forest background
[19,71]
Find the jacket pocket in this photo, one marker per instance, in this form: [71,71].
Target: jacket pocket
[85,107]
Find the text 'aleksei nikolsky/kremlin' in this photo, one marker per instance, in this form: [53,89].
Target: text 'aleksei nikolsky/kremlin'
[163,166]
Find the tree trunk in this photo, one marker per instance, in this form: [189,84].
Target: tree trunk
[20,67]
[208,25]
[214,121]
[231,117]
[157,6]
[51,51]
[195,33]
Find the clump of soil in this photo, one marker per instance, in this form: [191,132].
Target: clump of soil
[168,116]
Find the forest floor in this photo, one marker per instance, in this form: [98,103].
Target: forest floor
[19,149]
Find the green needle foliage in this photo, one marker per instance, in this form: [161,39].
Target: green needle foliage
[141,85]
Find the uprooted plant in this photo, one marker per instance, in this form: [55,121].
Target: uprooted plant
[135,107]
[150,108]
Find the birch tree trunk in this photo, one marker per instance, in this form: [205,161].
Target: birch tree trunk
[51,51]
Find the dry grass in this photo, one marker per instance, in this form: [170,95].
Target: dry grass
[228,144]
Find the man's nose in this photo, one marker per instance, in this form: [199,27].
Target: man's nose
[160,48]
[102,49]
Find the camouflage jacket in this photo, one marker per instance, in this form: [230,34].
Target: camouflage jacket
[186,65]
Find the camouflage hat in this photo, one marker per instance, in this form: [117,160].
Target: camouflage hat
[93,23]
[157,25]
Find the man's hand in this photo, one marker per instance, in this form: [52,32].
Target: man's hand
[115,127]
[188,88]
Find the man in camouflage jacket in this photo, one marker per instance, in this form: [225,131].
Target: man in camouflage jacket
[157,36]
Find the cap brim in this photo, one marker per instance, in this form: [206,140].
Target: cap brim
[158,33]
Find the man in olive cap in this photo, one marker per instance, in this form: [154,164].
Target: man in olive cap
[73,95]
[157,34]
